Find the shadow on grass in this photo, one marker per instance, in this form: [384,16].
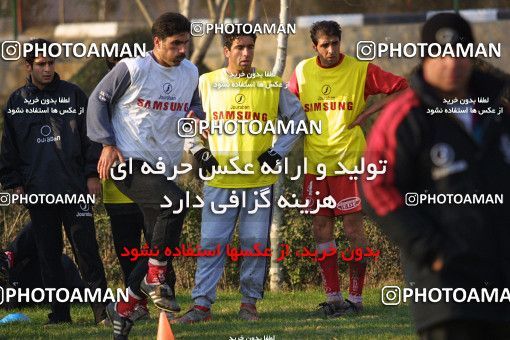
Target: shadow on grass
[296,324]
[283,315]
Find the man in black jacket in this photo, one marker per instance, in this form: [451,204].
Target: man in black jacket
[45,150]
[437,163]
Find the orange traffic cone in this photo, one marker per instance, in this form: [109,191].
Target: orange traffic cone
[164,329]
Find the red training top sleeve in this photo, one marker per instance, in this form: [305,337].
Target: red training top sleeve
[379,81]
[293,84]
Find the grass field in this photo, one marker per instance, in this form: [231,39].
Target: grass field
[284,316]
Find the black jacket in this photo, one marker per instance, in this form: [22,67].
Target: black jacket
[435,154]
[45,147]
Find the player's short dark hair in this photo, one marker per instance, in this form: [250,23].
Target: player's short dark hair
[228,38]
[43,49]
[327,27]
[170,23]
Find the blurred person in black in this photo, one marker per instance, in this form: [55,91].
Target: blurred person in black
[447,246]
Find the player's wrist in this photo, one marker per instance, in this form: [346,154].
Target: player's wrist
[196,149]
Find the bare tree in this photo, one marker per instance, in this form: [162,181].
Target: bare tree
[61,12]
[98,6]
[254,11]
[144,11]
[276,269]
[281,52]
[217,10]
[185,7]
[101,10]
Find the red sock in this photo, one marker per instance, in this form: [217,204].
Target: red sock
[202,308]
[329,272]
[156,273]
[249,306]
[126,308]
[356,280]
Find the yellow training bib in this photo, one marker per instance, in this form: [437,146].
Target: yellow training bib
[112,195]
[334,96]
[247,101]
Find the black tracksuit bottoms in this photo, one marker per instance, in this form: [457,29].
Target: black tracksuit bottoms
[47,221]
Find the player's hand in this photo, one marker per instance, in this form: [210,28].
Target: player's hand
[109,155]
[359,120]
[270,157]
[437,265]
[206,159]
[94,186]
[18,190]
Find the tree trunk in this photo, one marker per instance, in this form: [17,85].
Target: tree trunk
[145,13]
[101,12]
[217,13]
[281,52]
[276,269]
[254,11]
[185,9]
